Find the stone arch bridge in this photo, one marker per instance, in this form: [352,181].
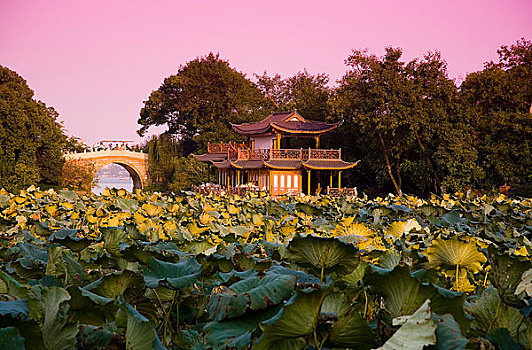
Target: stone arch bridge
[136,163]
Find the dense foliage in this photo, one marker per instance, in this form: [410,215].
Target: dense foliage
[149,271]
[169,169]
[199,101]
[411,126]
[31,139]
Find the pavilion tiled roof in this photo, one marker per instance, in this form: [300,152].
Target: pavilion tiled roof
[290,122]
[223,164]
[328,164]
[284,164]
[248,164]
[308,126]
[211,157]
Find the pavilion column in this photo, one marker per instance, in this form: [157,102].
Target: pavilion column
[331,179]
[340,179]
[238,177]
[317,138]
[278,141]
[308,185]
[228,182]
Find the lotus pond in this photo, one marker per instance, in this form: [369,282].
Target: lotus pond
[150,271]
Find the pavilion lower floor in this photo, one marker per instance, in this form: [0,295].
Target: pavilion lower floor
[282,182]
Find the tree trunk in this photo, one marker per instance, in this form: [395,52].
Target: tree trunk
[429,163]
[389,166]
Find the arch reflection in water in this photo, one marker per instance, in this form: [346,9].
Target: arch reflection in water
[113,176]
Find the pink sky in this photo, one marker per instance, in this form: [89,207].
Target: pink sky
[96,61]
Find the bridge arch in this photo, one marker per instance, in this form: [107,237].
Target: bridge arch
[136,163]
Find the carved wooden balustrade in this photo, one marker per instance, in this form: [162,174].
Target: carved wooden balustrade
[240,151]
[325,153]
[253,154]
[223,147]
[342,191]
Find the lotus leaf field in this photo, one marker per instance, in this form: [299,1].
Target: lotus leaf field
[150,271]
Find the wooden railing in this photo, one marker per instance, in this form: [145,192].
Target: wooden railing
[223,147]
[253,154]
[240,151]
[342,191]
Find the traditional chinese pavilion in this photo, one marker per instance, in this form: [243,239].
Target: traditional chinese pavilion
[263,163]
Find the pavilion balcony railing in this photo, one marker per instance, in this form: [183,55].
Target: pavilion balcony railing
[240,151]
[342,191]
[224,147]
[253,154]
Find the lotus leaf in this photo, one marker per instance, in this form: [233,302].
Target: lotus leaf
[416,333]
[448,334]
[171,275]
[67,238]
[15,308]
[115,284]
[296,319]
[490,313]
[323,253]
[505,274]
[10,339]
[452,255]
[58,332]
[254,293]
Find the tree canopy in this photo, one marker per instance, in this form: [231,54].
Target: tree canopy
[201,99]
[31,139]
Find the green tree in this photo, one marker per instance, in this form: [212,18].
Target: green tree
[200,100]
[162,150]
[307,93]
[31,139]
[187,172]
[80,176]
[75,145]
[497,102]
[399,118]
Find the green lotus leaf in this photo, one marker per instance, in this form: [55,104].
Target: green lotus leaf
[58,332]
[127,204]
[112,237]
[10,339]
[236,332]
[502,340]
[13,286]
[448,334]
[505,275]
[349,329]
[404,294]
[14,308]
[29,256]
[95,337]
[238,274]
[417,333]
[490,313]
[252,293]
[323,253]
[67,238]
[98,299]
[116,284]
[67,195]
[171,275]
[296,319]
[140,332]
[448,254]
[453,218]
